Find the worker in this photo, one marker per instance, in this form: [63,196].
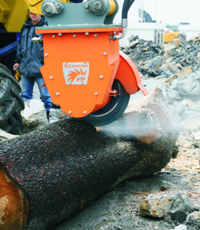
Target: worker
[29,59]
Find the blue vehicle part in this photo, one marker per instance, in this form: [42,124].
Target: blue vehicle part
[9,48]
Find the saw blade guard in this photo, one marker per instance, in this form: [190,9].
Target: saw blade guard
[83,63]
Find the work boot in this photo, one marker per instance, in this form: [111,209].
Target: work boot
[47,113]
[55,106]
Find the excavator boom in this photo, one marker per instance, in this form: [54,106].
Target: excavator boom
[13,13]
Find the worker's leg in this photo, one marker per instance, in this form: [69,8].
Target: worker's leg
[44,94]
[27,84]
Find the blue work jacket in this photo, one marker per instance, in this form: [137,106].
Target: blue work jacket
[30,55]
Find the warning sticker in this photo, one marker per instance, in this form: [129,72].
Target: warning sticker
[76,73]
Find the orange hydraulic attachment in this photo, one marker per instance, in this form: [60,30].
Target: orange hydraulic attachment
[80,66]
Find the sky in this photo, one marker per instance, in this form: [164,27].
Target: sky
[174,11]
[169,11]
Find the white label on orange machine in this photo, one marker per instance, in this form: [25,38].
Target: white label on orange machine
[76,73]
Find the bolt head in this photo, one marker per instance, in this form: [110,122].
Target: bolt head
[97,6]
[87,6]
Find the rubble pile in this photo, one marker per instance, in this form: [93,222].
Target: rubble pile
[140,50]
[154,60]
[177,64]
[183,96]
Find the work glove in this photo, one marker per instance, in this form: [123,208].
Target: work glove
[17,76]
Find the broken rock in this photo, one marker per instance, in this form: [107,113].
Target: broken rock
[158,208]
[181,207]
[193,220]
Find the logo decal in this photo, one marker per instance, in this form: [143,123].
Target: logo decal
[76,73]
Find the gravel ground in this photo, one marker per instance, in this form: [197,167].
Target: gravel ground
[119,208]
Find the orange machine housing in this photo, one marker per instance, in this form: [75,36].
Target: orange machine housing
[80,65]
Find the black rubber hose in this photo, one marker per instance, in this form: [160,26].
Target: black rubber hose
[126,6]
[125,9]
[131,2]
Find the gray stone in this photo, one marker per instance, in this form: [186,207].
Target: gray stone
[134,44]
[193,220]
[178,215]
[181,207]
[181,227]
[158,207]
[196,141]
[4,136]
[155,63]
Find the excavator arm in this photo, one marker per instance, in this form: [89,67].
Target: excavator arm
[13,13]
[35,5]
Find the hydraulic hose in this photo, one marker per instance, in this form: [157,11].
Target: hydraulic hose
[126,6]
